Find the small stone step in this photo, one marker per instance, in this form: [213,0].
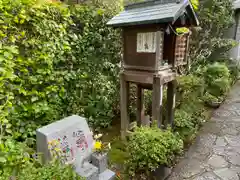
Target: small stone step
[107,175]
[88,171]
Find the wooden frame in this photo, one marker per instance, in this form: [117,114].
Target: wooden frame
[147,80]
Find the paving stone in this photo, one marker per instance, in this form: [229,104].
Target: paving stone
[193,168]
[233,140]
[207,139]
[207,176]
[200,153]
[231,107]
[233,158]
[235,100]
[212,128]
[175,176]
[200,150]
[219,150]
[226,174]
[215,155]
[217,161]
[229,129]
[222,113]
[220,142]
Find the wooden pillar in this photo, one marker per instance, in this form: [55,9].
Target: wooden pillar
[171,95]
[157,101]
[124,90]
[140,106]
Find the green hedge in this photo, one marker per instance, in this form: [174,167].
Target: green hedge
[55,61]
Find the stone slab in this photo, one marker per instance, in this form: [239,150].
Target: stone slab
[73,136]
[107,175]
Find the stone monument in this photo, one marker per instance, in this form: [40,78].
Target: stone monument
[76,143]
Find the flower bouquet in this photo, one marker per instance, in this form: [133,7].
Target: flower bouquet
[99,157]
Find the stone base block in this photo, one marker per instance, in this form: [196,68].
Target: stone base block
[107,175]
[100,161]
[162,172]
[88,171]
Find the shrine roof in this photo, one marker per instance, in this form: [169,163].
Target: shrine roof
[154,11]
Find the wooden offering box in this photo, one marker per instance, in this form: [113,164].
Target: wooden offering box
[152,49]
[143,48]
[150,41]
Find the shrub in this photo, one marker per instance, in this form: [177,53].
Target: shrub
[217,79]
[216,17]
[189,83]
[183,124]
[234,71]
[151,147]
[56,61]
[189,113]
[189,88]
[16,162]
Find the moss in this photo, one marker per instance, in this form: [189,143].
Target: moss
[118,153]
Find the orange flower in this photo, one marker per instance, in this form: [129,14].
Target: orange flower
[118,174]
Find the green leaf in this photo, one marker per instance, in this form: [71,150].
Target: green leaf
[9,131]
[3,160]
[8,55]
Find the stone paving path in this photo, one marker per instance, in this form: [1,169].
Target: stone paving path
[216,153]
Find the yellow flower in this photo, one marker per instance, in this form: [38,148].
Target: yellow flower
[55,142]
[57,149]
[97,145]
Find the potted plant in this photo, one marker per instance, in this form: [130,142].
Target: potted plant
[99,156]
[152,152]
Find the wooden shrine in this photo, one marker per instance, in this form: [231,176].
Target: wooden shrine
[152,50]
